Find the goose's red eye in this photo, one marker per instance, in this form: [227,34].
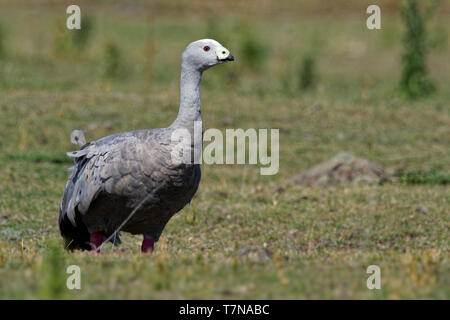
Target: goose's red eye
[206,48]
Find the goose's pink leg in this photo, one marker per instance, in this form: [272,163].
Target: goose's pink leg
[96,240]
[147,244]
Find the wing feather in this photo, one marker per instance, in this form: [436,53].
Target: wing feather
[129,164]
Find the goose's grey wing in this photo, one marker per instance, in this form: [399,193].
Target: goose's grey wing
[84,183]
[124,164]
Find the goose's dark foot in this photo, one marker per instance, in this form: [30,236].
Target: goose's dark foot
[96,240]
[148,244]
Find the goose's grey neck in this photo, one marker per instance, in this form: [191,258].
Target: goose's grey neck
[189,111]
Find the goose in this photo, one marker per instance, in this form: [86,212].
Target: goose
[128,181]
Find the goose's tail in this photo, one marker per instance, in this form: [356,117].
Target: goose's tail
[75,237]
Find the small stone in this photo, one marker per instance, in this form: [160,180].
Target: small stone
[317,107]
[226,121]
[280,190]
[422,209]
[264,255]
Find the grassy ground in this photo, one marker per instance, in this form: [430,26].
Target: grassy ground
[245,235]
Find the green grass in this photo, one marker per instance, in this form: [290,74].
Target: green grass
[244,235]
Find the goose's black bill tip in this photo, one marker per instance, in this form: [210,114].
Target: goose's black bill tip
[230,57]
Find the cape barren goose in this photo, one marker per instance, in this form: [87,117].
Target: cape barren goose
[128,180]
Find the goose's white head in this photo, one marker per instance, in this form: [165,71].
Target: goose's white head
[204,54]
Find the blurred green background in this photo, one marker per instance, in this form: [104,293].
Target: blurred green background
[310,68]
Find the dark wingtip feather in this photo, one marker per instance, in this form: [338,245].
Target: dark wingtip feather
[75,237]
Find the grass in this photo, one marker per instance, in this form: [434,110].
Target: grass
[244,235]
